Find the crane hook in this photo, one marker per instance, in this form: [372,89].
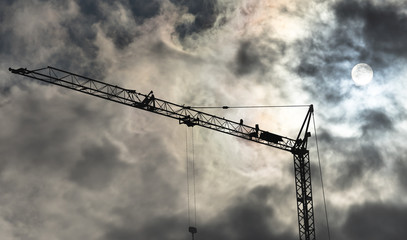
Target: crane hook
[192,230]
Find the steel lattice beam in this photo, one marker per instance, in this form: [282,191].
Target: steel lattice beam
[305,209]
[185,115]
[303,187]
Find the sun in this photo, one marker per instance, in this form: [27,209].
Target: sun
[362,74]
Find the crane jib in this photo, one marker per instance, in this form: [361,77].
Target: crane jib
[192,117]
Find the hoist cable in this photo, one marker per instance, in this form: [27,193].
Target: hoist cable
[322,182]
[193,172]
[187,163]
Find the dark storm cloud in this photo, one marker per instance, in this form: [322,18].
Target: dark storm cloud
[6,43]
[361,161]
[363,153]
[320,61]
[401,170]
[11,45]
[375,121]
[144,9]
[205,12]
[153,195]
[249,217]
[46,126]
[32,141]
[76,32]
[375,34]
[246,218]
[93,12]
[376,221]
[384,24]
[161,228]
[323,62]
[257,56]
[64,139]
[247,59]
[82,31]
[90,9]
[356,158]
[121,36]
[97,165]
[82,35]
[78,41]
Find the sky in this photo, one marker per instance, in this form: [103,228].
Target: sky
[74,166]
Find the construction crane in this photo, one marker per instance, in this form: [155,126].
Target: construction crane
[192,117]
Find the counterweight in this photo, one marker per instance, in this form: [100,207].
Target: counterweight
[192,117]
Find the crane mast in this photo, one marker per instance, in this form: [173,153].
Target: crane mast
[192,117]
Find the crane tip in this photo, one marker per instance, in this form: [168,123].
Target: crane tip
[19,71]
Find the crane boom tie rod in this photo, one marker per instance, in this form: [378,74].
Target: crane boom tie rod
[254,106]
[193,117]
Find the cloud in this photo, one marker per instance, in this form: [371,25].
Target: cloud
[375,121]
[246,218]
[257,56]
[97,166]
[358,122]
[365,158]
[68,155]
[246,59]
[380,22]
[74,166]
[400,169]
[352,160]
[204,12]
[376,221]
[357,32]
[49,131]
[160,228]
[144,9]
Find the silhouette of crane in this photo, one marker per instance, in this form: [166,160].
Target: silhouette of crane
[192,117]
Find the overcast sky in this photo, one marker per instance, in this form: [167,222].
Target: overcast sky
[74,166]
